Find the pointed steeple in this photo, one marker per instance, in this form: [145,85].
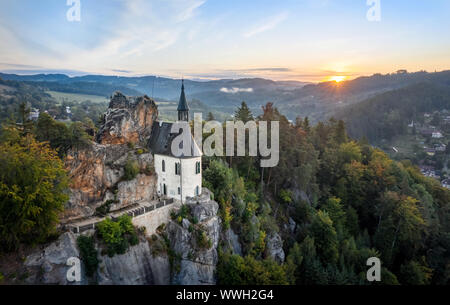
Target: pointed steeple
[183,108]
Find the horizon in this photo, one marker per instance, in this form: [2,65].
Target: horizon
[306,41]
[81,74]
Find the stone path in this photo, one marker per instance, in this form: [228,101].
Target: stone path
[135,210]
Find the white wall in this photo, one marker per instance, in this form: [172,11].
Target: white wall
[189,180]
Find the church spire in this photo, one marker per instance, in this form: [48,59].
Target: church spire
[183,108]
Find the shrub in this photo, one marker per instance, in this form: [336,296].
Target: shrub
[140,151]
[184,211]
[104,209]
[118,235]
[286,196]
[160,228]
[131,170]
[149,170]
[134,240]
[203,241]
[88,254]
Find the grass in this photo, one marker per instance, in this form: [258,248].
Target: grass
[75,97]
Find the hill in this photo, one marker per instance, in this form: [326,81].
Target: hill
[388,114]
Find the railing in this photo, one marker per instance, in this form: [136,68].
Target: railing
[133,213]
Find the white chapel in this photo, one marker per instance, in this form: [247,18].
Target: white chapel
[178,176]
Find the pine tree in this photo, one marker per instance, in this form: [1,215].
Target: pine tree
[243,113]
[210,117]
[306,125]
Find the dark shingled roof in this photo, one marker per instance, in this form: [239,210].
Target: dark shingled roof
[182,105]
[161,141]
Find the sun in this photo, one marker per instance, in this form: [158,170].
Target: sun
[337,78]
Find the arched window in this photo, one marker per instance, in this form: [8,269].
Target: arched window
[163,165]
[197,190]
[177,168]
[197,168]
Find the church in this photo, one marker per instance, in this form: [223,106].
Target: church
[179,177]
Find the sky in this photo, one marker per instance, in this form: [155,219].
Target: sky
[303,40]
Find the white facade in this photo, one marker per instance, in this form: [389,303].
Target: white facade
[178,184]
[437,135]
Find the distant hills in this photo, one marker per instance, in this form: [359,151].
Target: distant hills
[388,114]
[317,101]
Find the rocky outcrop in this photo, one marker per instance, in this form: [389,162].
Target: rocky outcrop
[274,247]
[198,263]
[96,172]
[128,120]
[137,266]
[231,242]
[49,264]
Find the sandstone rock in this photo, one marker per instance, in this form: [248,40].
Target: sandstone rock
[128,120]
[185,223]
[142,188]
[292,225]
[136,267]
[197,264]
[274,247]
[48,265]
[202,207]
[96,171]
[231,241]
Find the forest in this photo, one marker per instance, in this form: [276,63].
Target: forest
[388,114]
[348,202]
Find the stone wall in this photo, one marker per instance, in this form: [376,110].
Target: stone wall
[155,218]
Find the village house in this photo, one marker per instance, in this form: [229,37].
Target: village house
[446,183]
[440,147]
[34,114]
[437,135]
[428,171]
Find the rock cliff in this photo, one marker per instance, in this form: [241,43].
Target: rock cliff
[185,252]
[194,261]
[197,262]
[96,172]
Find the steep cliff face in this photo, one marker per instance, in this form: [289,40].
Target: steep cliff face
[198,262]
[145,263]
[96,172]
[48,265]
[136,267]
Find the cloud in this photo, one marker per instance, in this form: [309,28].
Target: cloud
[121,71]
[265,70]
[189,11]
[130,32]
[235,90]
[268,24]
[18,66]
